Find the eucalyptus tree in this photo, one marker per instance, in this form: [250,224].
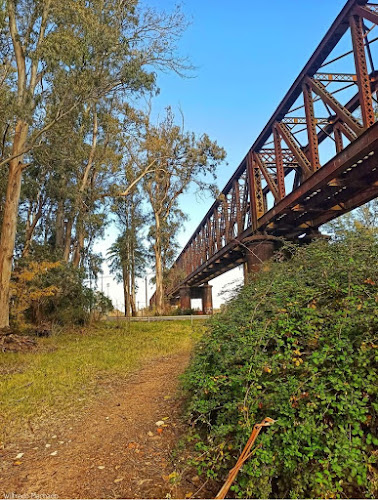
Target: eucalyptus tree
[180,159]
[67,178]
[48,188]
[97,172]
[58,55]
[127,255]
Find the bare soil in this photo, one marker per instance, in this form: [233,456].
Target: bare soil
[114,450]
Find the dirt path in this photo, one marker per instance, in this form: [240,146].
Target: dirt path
[114,451]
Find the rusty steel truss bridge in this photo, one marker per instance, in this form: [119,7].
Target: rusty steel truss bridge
[316,158]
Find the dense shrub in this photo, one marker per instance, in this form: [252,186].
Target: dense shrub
[297,344]
[53,292]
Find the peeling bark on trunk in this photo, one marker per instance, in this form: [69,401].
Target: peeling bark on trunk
[8,236]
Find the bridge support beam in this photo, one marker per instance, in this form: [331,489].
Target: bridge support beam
[203,292]
[259,250]
[207,299]
[185,297]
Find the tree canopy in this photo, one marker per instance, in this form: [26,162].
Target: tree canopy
[70,72]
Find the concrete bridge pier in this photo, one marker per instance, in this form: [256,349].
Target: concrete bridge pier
[207,299]
[203,292]
[259,249]
[185,297]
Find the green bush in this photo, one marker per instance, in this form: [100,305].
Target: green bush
[297,344]
[53,292]
[73,302]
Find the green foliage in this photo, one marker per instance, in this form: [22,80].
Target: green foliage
[28,293]
[65,94]
[297,344]
[182,312]
[53,292]
[100,305]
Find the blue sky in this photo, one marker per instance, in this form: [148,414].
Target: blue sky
[247,54]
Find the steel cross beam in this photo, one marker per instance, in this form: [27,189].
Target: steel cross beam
[289,143]
[335,77]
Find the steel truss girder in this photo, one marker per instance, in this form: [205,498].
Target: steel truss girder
[269,179]
[255,189]
[363,79]
[242,208]
[231,255]
[369,12]
[268,155]
[342,113]
[313,144]
[279,164]
[301,158]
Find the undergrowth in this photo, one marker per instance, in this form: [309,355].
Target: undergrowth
[297,344]
[72,367]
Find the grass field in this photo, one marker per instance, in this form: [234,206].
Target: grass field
[70,368]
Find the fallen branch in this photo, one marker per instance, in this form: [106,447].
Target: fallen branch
[10,342]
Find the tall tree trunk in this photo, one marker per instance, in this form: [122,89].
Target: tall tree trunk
[79,245]
[79,203]
[59,226]
[126,292]
[132,309]
[29,234]
[31,225]
[132,305]
[159,294]
[67,240]
[133,291]
[25,251]
[9,226]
